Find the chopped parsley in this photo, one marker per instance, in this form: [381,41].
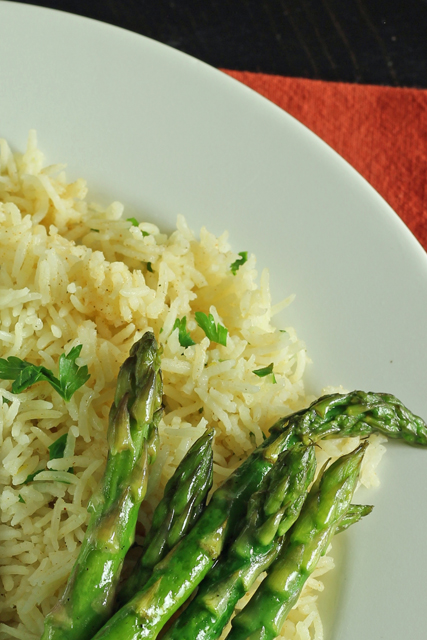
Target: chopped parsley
[24,374]
[215,333]
[265,371]
[239,262]
[149,267]
[31,476]
[56,450]
[134,222]
[21,499]
[185,340]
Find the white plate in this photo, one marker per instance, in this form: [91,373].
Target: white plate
[167,134]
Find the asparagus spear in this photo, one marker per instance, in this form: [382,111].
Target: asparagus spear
[355,513]
[175,578]
[326,506]
[356,413]
[271,512]
[182,503]
[132,437]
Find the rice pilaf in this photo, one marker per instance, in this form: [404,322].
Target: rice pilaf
[74,273]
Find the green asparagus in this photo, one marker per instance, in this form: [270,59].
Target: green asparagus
[182,503]
[356,413]
[326,506]
[176,577]
[354,513]
[132,438]
[271,512]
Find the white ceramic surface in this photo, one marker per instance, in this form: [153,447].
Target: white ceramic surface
[167,134]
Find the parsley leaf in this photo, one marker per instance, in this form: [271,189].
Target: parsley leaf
[57,448]
[71,377]
[185,340]
[215,333]
[24,374]
[133,221]
[265,371]
[149,267]
[21,499]
[239,262]
[31,477]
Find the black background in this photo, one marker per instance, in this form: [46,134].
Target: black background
[365,41]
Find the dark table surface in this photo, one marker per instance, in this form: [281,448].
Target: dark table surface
[364,41]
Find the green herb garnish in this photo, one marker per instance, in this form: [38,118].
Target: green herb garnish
[21,499]
[133,221]
[215,333]
[265,371]
[149,267]
[239,262]
[185,340]
[31,476]
[56,450]
[24,374]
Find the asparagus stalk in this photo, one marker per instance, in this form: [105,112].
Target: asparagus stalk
[356,413]
[175,578]
[323,512]
[271,512]
[355,513]
[132,437]
[183,501]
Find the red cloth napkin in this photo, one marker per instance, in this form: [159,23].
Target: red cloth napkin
[380,131]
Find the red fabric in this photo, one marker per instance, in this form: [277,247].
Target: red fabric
[380,131]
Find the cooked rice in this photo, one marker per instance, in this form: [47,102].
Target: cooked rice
[76,273]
